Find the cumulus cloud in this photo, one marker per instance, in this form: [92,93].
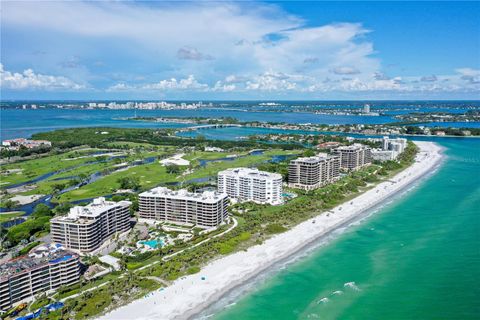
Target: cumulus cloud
[380,76]
[277,81]
[221,86]
[189,83]
[235,79]
[469,74]
[310,60]
[28,80]
[121,87]
[249,48]
[344,70]
[188,53]
[431,78]
[172,84]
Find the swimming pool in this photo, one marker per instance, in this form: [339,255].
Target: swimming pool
[154,244]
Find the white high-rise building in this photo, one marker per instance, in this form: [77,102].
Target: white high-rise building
[245,184]
[366,108]
[207,209]
[85,229]
[385,143]
[397,145]
[391,149]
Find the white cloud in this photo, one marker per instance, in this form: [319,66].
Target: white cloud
[248,39]
[431,78]
[267,83]
[469,74]
[188,53]
[380,76]
[345,70]
[28,80]
[121,87]
[249,48]
[189,83]
[310,60]
[223,87]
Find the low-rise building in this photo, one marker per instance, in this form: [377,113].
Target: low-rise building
[246,184]
[85,229]
[213,149]
[309,173]
[22,278]
[328,145]
[383,155]
[15,144]
[207,209]
[353,157]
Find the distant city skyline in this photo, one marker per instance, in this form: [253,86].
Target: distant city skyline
[240,51]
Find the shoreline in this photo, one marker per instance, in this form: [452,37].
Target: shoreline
[189,296]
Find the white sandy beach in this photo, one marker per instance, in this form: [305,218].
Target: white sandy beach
[189,295]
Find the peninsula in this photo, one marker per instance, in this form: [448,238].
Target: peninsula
[191,294]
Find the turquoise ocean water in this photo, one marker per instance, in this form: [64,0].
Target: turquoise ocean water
[418,258]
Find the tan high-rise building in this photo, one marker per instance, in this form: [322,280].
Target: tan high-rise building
[22,278]
[353,157]
[85,229]
[309,173]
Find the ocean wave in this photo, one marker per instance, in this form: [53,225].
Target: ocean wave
[351,285]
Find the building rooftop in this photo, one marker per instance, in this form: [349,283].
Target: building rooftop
[355,146]
[43,255]
[378,150]
[253,173]
[88,213]
[183,194]
[314,159]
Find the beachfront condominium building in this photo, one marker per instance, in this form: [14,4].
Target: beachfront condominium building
[391,149]
[309,173]
[383,155]
[398,145]
[85,229]
[354,157]
[22,278]
[245,184]
[207,209]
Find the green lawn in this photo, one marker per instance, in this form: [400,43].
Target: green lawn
[203,155]
[138,145]
[45,186]
[149,175]
[32,169]
[7,216]
[213,168]
[153,174]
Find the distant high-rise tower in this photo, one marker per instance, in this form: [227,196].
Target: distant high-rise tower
[366,108]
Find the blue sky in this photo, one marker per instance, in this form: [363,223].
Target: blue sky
[240,50]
